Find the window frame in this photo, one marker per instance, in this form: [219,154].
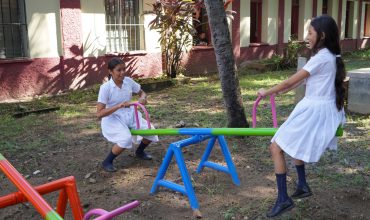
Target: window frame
[19,48]
[124,33]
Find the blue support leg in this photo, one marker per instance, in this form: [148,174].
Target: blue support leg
[228,159]
[186,179]
[162,170]
[206,154]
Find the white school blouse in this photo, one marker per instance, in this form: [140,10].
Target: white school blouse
[116,126]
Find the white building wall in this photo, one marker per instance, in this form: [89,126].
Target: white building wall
[93,28]
[44,33]
[151,36]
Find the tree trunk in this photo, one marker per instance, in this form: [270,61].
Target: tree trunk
[226,63]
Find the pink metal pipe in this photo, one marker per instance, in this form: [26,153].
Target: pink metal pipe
[273,111]
[104,215]
[136,104]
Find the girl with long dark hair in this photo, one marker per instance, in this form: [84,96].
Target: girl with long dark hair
[310,129]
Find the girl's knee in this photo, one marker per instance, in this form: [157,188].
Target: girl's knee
[146,141]
[275,149]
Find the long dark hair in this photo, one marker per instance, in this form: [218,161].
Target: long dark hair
[325,25]
[113,63]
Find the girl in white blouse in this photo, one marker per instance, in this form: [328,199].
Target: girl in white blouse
[117,116]
[310,129]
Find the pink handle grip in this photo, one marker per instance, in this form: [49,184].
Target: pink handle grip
[104,215]
[273,111]
[136,104]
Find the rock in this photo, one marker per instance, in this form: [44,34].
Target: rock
[50,178]
[92,180]
[197,213]
[181,124]
[87,175]
[196,125]
[36,172]
[27,176]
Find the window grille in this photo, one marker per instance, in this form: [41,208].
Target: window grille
[13,29]
[123,25]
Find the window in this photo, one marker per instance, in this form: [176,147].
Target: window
[325,7]
[367,21]
[123,25]
[295,18]
[256,20]
[348,31]
[13,29]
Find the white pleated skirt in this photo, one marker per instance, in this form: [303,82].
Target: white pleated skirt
[310,129]
[116,128]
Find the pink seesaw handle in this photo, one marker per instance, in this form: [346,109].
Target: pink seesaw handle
[273,111]
[136,104]
[104,215]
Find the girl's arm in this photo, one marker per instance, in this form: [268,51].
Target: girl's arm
[286,85]
[292,87]
[142,97]
[102,111]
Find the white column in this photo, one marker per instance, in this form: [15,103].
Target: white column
[287,20]
[343,22]
[333,6]
[355,20]
[319,8]
[245,23]
[269,21]
[305,15]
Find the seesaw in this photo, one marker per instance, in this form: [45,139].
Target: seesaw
[68,189]
[198,135]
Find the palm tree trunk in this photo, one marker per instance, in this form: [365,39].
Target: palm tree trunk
[226,63]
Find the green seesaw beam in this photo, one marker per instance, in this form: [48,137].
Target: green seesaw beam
[215,131]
